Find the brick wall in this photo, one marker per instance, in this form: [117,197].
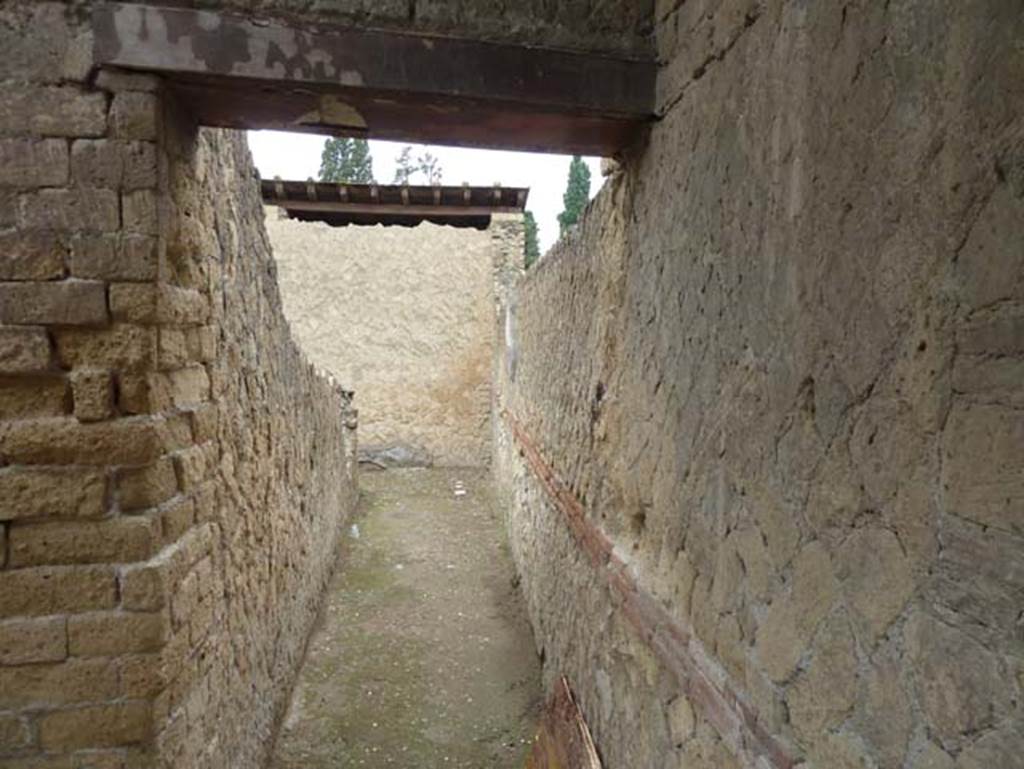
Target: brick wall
[173,473]
[764,436]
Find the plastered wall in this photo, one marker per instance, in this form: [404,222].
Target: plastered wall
[404,317]
[174,473]
[763,444]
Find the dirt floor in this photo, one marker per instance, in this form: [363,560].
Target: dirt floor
[423,656]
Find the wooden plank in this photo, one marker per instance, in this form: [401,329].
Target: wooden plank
[235,72]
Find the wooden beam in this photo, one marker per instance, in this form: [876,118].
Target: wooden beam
[389,209]
[241,73]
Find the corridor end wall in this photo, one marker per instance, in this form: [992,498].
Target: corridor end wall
[763,415]
[174,474]
[404,316]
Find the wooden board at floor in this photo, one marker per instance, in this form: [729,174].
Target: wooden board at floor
[563,739]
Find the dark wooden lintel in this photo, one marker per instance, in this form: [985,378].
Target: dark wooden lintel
[236,72]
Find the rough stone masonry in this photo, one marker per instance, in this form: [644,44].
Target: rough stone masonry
[173,472]
[764,443]
[761,440]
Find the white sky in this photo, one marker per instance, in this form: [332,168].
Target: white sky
[297,156]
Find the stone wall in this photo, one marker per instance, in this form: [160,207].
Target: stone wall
[173,472]
[763,441]
[612,26]
[404,316]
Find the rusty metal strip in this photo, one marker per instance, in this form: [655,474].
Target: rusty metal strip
[702,681]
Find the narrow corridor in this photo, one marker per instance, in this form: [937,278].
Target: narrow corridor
[423,656]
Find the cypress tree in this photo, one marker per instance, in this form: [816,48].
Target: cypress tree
[531,247]
[577,194]
[346,160]
[405,167]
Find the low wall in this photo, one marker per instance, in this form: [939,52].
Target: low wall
[174,473]
[762,445]
[404,317]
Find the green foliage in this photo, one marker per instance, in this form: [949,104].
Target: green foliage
[346,160]
[531,246]
[430,167]
[406,167]
[577,194]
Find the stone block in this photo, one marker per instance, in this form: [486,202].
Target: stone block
[42,44]
[25,641]
[176,519]
[189,386]
[884,692]
[961,687]
[8,207]
[142,676]
[118,540]
[202,343]
[174,348]
[204,422]
[93,394]
[114,164]
[996,232]
[981,471]
[822,695]
[95,726]
[995,748]
[207,501]
[144,394]
[115,257]
[786,631]
[64,303]
[24,397]
[55,590]
[1001,335]
[140,212]
[144,587]
[69,682]
[135,115]
[876,577]
[129,441]
[15,734]
[81,209]
[51,111]
[31,255]
[157,303]
[143,487]
[24,350]
[33,163]
[190,593]
[39,492]
[195,464]
[931,757]
[121,346]
[839,751]
[992,380]
[111,634]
